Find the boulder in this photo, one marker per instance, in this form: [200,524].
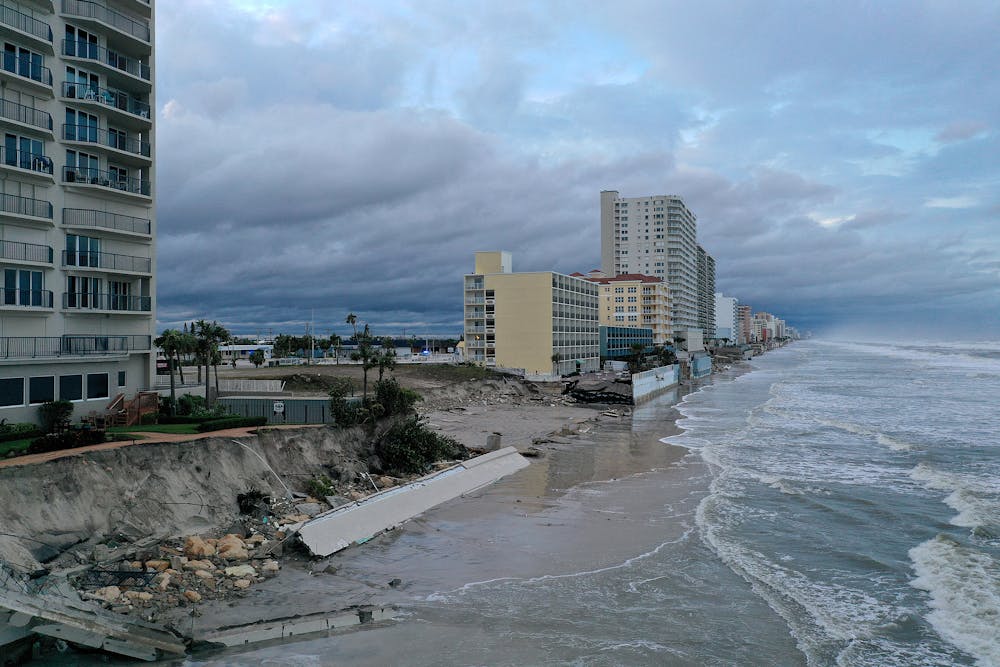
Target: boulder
[242,584]
[232,547]
[241,571]
[138,596]
[157,565]
[199,565]
[161,581]
[309,509]
[192,596]
[294,518]
[195,547]
[204,574]
[107,594]
[270,567]
[256,538]
[177,562]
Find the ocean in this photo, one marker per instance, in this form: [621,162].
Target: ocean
[837,505]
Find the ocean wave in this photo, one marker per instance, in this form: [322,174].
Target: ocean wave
[967,356]
[964,588]
[975,499]
[894,444]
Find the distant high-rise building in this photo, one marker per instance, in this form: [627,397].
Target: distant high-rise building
[77,211]
[706,293]
[655,236]
[743,317]
[634,300]
[726,318]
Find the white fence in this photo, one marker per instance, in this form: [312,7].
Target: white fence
[648,384]
[244,386]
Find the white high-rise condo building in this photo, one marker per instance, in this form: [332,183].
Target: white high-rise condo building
[727,318]
[656,235]
[77,193]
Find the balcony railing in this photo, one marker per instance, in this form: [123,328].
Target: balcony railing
[100,301]
[119,21]
[81,217]
[33,347]
[24,23]
[107,179]
[25,252]
[27,115]
[96,135]
[28,68]
[26,298]
[115,99]
[79,49]
[18,205]
[106,260]
[25,160]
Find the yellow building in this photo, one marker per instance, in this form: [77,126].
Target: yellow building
[634,300]
[522,320]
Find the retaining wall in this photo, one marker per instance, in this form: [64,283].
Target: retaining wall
[651,383]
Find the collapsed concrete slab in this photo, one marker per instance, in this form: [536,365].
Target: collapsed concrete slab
[359,521]
[296,627]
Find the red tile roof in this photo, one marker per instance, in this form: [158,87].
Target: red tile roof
[626,277]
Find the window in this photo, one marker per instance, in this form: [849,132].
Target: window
[80,126]
[70,387]
[41,389]
[97,385]
[82,167]
[11,391]
[82,250]
[83,292]
[121,378]
[80,43]
[23,62]
[25,153]
[23,288]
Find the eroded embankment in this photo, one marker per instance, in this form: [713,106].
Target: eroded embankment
[159,490]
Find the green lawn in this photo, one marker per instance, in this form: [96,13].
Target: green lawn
[185,429]
[14,446]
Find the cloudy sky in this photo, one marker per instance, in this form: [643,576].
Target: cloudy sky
[318,157]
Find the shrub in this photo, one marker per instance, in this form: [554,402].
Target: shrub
[167,405]
[147,419]
[345,412]
[184,419]
[53,414]
[54,442]
[253,502]
[320,487]
[394,399]
[230,422]
[410,447]
[9,432]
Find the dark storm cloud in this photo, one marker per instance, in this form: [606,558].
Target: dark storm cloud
[315,160]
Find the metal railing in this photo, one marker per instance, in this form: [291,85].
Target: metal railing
[81,217]
[95,135]
[21,21]
[28,68]
[106,260]
[32,347]
[115,99]
[25,160]
[25,206]
[24,114]
[101,301]
[107,179]
[117,20]
[25,252]
[80,49]
[26,298]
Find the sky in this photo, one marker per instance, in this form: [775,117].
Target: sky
[317,158]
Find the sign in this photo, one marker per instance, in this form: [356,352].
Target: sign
[279,407]
[162,367]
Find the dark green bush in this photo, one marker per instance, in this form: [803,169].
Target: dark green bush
[410,447]
[53,414]
[189,403]
[230,422]
[320,487]
[9,432]
[54,442]
[184,419]
[147,419]
[344,410]
[394,399]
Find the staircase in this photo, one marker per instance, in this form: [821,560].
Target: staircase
[122,411]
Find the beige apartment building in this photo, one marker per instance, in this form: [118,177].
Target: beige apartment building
[522,320]
[634,300]
[77,193]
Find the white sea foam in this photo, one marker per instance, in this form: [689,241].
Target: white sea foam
[894,444]
[976,500]
[964,588]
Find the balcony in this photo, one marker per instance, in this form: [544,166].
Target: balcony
[106,302]
[125,106]
[126,224]
[117,63]
[126,25]
[108,180]
[27,116]
[11,297]
[22,69]
[107,261]
[32,253]
[23,162]
[49,347]
[114,140]
[25,24]
[14,205]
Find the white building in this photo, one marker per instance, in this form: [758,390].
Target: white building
[77,193]
[726,320]
[656,235]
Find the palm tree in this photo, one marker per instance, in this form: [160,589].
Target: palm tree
[637,350]
[335,343]
[367,355]
[352,319]
[210,334]
[386,357]
[170,342]
[556,358]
